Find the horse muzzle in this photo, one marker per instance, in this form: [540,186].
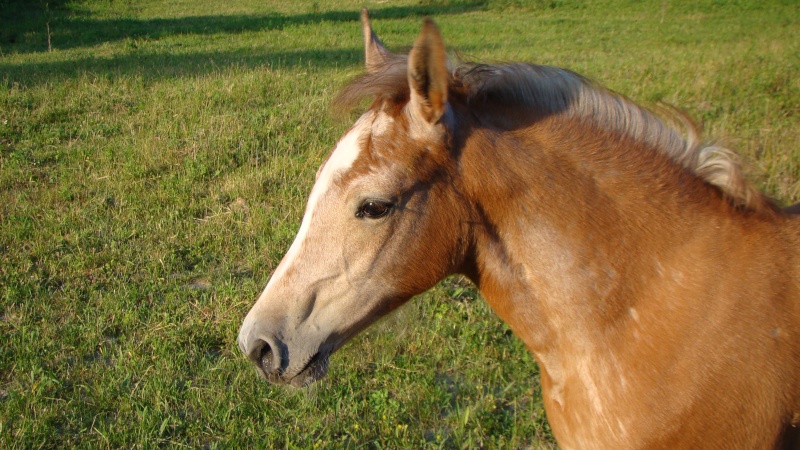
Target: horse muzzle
[271,357]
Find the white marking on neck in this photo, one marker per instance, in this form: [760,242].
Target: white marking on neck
[342,158]
[633,313]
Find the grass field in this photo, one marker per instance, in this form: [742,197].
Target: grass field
[155,157]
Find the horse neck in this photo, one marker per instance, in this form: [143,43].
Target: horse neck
[625,275]
[574,225]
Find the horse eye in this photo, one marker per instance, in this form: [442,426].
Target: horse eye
[373,209]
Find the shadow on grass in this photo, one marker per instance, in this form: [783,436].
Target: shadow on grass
[70,30]
[154,66]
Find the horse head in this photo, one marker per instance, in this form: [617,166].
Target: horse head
[382,224]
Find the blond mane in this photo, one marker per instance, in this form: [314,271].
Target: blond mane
[551,90]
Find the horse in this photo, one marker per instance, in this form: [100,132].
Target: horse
[657,290]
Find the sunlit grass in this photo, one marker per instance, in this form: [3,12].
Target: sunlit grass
[154,166]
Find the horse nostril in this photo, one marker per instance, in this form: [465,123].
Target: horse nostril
[268,359]
[265,359]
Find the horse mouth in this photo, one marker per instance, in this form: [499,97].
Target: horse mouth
[314,369]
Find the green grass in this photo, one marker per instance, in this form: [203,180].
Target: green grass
[154,166]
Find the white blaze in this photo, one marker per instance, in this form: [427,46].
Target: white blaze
[341,159]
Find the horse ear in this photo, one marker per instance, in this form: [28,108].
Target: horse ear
[375,53]
[427,73]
